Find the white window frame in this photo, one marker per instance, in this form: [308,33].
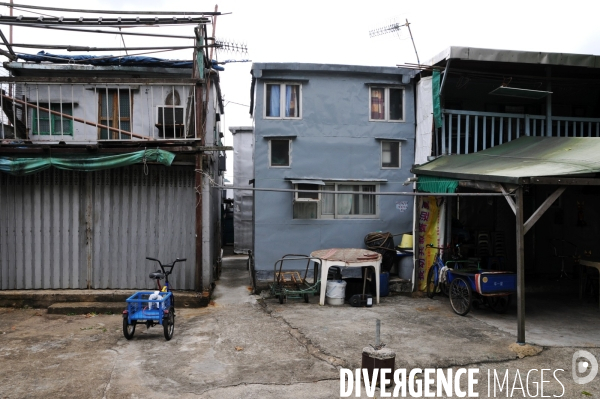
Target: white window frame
[399,154]
[387,104]
[299,199]
[289,154]
[335,214]
[282,86]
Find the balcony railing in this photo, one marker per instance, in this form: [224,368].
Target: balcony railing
[92,113]
[465,132]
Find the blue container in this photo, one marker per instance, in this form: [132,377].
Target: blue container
[384,284]
[139,307]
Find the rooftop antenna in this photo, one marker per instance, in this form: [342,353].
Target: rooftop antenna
[394,26]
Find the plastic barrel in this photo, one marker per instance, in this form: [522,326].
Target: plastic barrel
[335,292]
[384,284]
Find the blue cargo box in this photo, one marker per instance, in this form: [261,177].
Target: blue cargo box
[495,282]
[139,307]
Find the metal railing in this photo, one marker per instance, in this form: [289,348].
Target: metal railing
[465,132]
[92,113]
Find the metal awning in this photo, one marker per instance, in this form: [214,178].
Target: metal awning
[522,161]
[518,160]
[305,181]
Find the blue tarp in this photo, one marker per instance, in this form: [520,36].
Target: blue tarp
[107,60]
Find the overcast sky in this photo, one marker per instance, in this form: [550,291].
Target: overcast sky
[338,32]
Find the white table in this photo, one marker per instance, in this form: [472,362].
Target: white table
[347,257]
[588,263]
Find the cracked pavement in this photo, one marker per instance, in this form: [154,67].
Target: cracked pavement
[245,347]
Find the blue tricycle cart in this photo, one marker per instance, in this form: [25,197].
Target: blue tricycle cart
[141,309]
[491,287]
[152,307]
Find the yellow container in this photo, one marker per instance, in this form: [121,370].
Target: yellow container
[407,242]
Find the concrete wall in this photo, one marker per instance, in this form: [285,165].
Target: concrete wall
[334,139]
[243,172]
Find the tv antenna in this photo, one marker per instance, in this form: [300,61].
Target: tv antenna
[394,27]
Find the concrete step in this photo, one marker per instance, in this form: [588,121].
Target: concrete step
[78,308]
[47,298]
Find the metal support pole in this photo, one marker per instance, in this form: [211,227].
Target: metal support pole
[549,103]
[520,267]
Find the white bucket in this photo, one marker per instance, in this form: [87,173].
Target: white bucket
[335,292]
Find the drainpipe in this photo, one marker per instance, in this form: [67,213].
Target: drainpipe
[198,225]
[206,225]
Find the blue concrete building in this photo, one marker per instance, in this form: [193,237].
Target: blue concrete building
[321,129]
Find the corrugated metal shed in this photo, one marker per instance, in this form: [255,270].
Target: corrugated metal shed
[519,159]
[75,230]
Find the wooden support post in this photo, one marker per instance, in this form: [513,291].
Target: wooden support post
[543,208]
[198,224]
[520,267]
[510,201]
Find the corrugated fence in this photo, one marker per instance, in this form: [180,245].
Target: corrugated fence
[62,229]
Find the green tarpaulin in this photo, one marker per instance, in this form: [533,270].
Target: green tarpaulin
[435,184]
[437,107]
[19,166]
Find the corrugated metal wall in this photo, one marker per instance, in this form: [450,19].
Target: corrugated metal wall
[78,230]
[42,236]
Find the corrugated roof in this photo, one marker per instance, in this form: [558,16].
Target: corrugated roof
[521,158]
[525,57]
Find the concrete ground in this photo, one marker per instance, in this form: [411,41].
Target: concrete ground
[242,346]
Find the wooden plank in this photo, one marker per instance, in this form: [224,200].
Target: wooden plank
[94,49]
[86,11]
[543,208]
[94,80]
[112,129]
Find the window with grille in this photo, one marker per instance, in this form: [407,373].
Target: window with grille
[114,111]
[47,123]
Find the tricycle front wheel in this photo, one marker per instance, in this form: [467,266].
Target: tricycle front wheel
[169,323]
[460,296]
[128,329]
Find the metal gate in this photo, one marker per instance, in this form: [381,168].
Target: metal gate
[62,229]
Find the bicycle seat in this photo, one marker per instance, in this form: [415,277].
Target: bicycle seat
[157,275]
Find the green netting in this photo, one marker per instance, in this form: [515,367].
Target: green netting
[437,107]
[434,184]
[19,166]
